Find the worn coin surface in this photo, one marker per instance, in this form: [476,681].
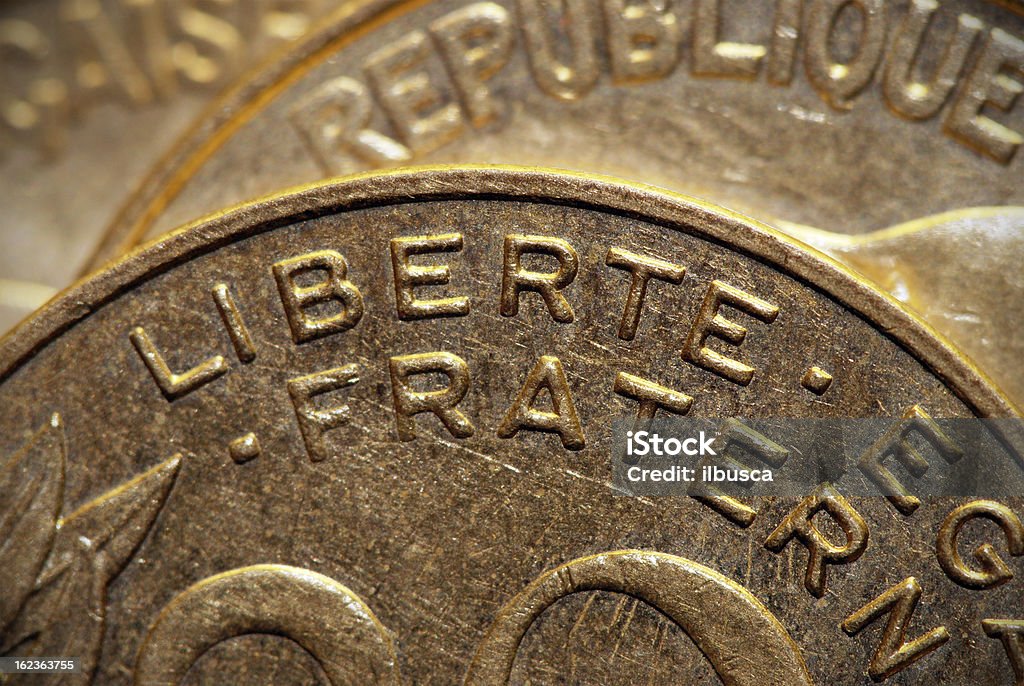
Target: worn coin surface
[360,434]
[960,271]
[848,117]
[92,94]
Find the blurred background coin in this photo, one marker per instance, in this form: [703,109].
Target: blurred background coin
[92,94]
[871,119]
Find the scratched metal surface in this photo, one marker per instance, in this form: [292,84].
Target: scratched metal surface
[95,92]
[325,549]
[868,140]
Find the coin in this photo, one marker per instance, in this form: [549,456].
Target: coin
[849,117]
[360,433]
[959,271]
[93,93]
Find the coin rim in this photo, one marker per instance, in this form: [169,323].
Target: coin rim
[227,113]
[510,183]
[247,96]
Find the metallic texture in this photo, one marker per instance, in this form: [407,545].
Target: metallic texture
[853,118]
[92,94]
[424,496]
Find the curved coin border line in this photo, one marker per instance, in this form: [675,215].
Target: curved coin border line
[527,184]
[250,94]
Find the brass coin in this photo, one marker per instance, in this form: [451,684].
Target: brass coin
[93,93]
[360,434]
[868,117]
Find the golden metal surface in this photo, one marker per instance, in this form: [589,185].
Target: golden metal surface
[213,466]
[361,432]
[92,94]
[745,104]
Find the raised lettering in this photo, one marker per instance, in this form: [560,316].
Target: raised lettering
[736,439]
[565,81]
[710,322]
[894,651]
[515,278]
[838,83]
[894,442]
[409,276]
[149,17]
[442,403]
[914,99]
[406,88]
[234,323]
[1011,633]
[712,57]
[333,120]
[643,40]
[651,396]
[993,570]
[314,422]
[546,375]
[642,269]
[174,385]
[334,288]
[215,47]
[103,60]
[785,35]
[287,19]
[799,524]
[475,43]
[989,86]
[43,110]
